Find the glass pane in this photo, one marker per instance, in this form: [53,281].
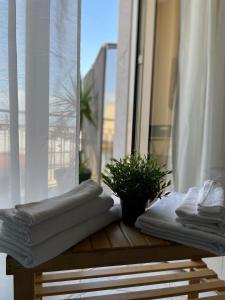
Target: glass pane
[99,27]
[165,59]
[109,105]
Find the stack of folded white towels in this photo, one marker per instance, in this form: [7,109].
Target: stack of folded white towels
[36,232]
[204,209]
[196,218]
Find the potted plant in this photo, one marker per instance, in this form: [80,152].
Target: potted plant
[67,105]
[135,180]
[84,171]
[85,114]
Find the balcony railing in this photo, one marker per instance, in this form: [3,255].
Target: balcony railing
[61,148]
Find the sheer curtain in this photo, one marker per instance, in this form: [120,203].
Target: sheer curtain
[39,75]
[198,145]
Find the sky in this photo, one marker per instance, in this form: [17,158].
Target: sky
[99,25]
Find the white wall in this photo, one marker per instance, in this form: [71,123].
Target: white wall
[6,282]
[126,64]
[218,265]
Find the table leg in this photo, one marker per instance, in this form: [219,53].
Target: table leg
[24,286]
[37,284]
[193,295]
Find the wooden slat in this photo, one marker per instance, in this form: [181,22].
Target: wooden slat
[154,242]
[100,240]
[123,270]
[83,246]
[122,283]
[221,297]
[135,238]
[116,237]
[161,293]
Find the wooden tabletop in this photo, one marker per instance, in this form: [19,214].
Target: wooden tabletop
[116,244]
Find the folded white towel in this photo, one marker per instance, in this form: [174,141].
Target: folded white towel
[36,212]
[33,235]
[211,201]
[160,221]
[188,209]
[32,256]
[215,228]
[189,215]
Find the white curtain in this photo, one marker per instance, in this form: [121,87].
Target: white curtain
[198,144]
[39,88]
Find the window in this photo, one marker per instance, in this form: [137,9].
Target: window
[163,78]
[99,24]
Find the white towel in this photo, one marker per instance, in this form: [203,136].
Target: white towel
[211,201]
[33,235]
[188,209]
[160,221]
[36,212]
[215,228]
[32,256]
[188,204]
[189,216]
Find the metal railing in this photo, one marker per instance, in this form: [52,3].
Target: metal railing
[61,148]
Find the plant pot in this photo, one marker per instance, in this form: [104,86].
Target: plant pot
[84,175]
[131,210]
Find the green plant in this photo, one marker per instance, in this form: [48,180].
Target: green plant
[136,178]
[66,104]
[64,108]
[83,163]
[85,105]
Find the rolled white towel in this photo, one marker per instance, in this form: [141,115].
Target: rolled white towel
[33,213]
[211,201]
[160,221]
[32,256]
[33,235]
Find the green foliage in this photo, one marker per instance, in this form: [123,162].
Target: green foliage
[83,167]
[83,163]
[85,105]
[66,104]
[135,177]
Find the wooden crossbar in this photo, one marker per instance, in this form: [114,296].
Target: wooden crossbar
[123,270]
[114,251]
[163,292]
[194,275]
[123,283]
[220,297]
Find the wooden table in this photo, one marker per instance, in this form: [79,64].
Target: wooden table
[116,245]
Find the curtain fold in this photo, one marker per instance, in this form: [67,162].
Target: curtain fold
[39,102]
[198,142]
[37,98]
[39,69]
[13,103]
